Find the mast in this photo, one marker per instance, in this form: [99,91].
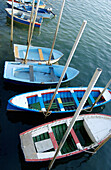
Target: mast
[67,63]
[56,30]
[85,97]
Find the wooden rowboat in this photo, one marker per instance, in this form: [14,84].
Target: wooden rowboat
[66,101]
[41,4]
[37,75]
[40,143]
[44,13]
[22,17]
[36,54]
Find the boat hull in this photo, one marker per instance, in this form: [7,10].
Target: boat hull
[41,4]
[65,101]
[34,54]
[44,140]
[44,13]
[22,21]
[37,75]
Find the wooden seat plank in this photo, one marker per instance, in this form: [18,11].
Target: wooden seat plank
[31,73]
[40,54]
[54,142]
[16,52]
[75,98]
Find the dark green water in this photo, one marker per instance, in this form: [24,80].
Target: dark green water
[94,50]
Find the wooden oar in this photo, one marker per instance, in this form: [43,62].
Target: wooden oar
[102,144]
[30,22]
[67,64]
[37,6]
[81,105]
[100,96]
[56,31]
[12,23]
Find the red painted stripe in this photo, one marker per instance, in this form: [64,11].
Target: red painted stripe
[51,134]
[53,92]
[31,96]
[74,136]
[47,93]
[109,91]
[64,91]
[11,101]
[58,157]
[36,23]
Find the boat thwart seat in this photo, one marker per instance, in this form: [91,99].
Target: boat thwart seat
[40,54]
[52,74]
[31,73]
[16,52]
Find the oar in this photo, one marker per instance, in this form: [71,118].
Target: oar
[100,96]
[37,6]
[12,23]
[67,64]
[81,105]
[63,3]
[102,144]
[30,22]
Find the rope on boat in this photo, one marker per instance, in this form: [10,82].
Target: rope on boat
[89,152]
[46,114]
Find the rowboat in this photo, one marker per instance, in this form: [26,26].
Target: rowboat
[66,101]
[22,17]
[45,13]
[41,4]
[40,143]
[36,54]
[36,74]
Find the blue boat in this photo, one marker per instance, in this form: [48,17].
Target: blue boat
[66,100]
[22,17]
[36,54]
[45,13]
[41,4]
[37,74]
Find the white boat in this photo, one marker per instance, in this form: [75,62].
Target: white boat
[40,143]
[66,100]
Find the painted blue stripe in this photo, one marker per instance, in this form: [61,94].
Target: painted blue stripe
[41,102]
[92,99]
[75,99]
[60,104]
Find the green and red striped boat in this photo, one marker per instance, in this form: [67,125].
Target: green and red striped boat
[40,143]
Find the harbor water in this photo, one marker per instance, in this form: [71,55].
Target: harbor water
[93,51]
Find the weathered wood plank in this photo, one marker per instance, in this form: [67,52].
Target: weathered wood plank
[16,52]
[40,54]
[31,73]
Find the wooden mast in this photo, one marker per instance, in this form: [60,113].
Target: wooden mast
[56,30]
[67,64]
[100,95]
[37,6]
[83,100]
[12,23]
[29,32]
